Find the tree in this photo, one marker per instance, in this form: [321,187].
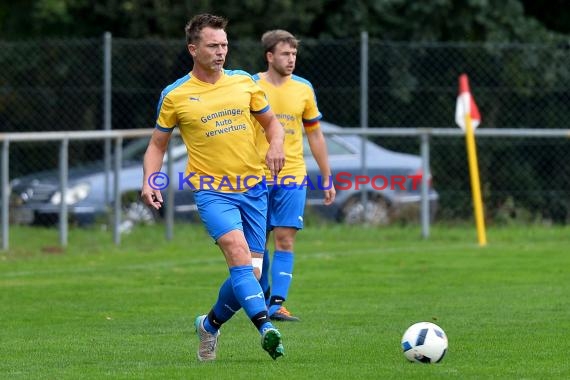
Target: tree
[553,14]
[438,20]
[442,20]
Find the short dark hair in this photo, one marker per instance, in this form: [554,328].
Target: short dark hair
[201,21]
[271,38]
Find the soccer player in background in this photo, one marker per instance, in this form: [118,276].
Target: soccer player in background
[213,109]
[293,100]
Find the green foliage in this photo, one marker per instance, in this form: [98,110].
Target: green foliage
[441,20]
[95,311]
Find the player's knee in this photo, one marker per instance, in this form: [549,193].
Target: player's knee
[284,243]
[235,249]
[284,238]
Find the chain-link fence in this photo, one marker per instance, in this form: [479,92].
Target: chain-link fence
[49,85]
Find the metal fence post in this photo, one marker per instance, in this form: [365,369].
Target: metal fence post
[107,94]
[364,113]
[170,197]
[5,194]
[425,211]
[117,190]
[63,179]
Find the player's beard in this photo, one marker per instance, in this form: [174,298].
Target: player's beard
[216,64]
[284,71]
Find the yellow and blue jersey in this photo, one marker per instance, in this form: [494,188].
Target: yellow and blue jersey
[295,105]
[216,125]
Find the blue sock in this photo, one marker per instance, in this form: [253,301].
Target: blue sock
[249,294]
[281,275]
[225,307]
[264,280]
[209,328]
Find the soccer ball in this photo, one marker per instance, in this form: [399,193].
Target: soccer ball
[424,342]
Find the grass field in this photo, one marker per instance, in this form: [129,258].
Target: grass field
[98,311]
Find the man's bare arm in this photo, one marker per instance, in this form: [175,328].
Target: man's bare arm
[153,158]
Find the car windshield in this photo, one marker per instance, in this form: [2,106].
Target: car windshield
[334,147]
[135,150]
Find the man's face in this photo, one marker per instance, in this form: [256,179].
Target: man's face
[210,52]
[283,58]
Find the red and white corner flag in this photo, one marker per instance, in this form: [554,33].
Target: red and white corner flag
[466,105]
[468,118]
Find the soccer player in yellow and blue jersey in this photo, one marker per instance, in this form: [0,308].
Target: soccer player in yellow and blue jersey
[213,109]
[293,100]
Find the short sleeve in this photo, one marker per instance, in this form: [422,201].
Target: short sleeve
[166,118]
[311,113]
[259,102]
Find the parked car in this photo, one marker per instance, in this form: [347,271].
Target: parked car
[393,189]
[36,198]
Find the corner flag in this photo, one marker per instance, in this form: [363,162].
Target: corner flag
[468,118]
[465,105]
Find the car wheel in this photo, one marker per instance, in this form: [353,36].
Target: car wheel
[135,211]
[377,211]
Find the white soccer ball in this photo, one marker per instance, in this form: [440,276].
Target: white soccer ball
[424,342]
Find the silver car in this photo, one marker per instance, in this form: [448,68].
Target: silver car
[392,182]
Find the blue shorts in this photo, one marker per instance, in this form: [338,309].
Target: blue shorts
[286,207]
[225,212]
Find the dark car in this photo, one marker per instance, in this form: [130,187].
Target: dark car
[393,188]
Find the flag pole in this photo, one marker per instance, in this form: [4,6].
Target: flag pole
[475,182]
[468,118]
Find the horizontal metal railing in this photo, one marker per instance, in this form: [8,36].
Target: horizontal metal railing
[118,135]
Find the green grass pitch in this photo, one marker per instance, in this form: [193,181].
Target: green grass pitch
[98,311]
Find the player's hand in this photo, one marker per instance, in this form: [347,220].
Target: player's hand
[329,190]
[152,198]
[275,159]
